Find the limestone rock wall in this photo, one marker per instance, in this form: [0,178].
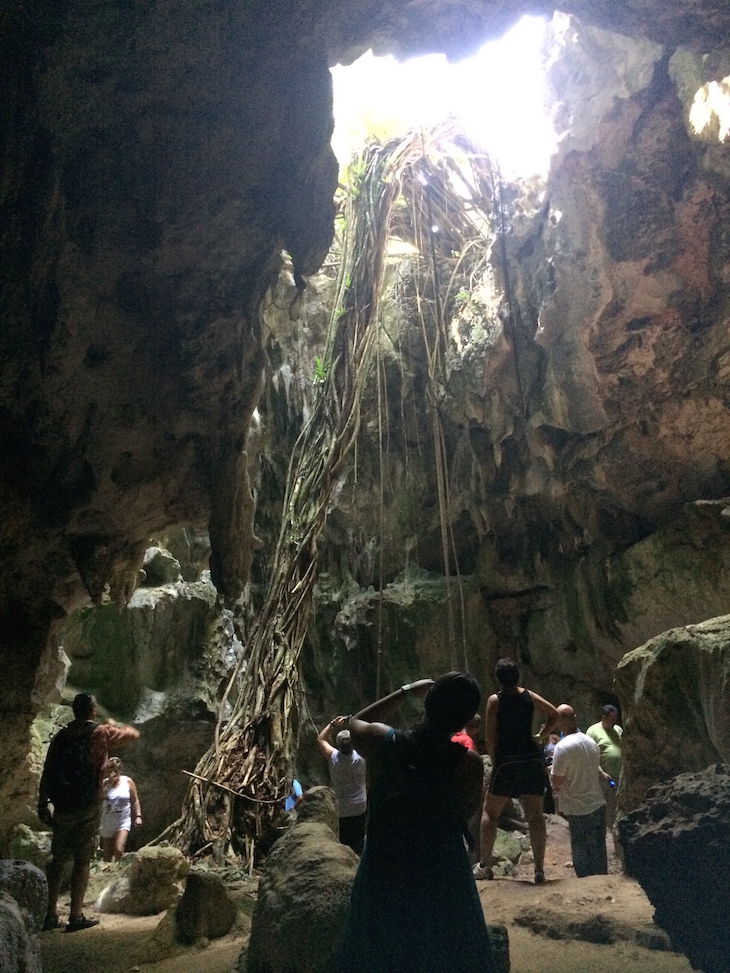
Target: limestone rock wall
[157,157]
[675,694]
[583,416]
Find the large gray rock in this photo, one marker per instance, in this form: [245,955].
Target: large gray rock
[160,567]
[23,902]
[206,910]
[151,883]
[303,895]
[675,695]
[30,846]
[677,845]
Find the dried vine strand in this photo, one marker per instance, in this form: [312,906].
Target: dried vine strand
[253,743]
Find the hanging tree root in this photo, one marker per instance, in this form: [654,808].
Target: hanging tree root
[240,783]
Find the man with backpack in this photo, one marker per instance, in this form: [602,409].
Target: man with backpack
[72,782]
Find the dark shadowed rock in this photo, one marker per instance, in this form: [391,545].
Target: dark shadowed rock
[677,845]
[206,910]
[23,900]
[160,567]
[303,895]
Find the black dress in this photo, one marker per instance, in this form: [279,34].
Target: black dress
[414,906]
[518,768]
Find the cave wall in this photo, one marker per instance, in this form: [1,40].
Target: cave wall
[585,424]
[157,157]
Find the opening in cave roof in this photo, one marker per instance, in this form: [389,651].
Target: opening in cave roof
[498,96]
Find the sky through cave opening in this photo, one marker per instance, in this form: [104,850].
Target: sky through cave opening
[500,96]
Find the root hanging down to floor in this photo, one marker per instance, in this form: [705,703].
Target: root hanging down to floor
[239,785]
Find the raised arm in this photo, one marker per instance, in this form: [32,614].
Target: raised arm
[382,708]
[366,726]
[325,747]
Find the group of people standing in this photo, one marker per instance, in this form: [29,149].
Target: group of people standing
[414,905]
[584,769]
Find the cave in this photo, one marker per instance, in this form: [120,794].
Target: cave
[169,209]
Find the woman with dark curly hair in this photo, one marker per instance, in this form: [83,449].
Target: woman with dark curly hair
[414,906]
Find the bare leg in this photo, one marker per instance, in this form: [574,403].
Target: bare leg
[79,882]
[493,807]
[120,843]
[107,848]
[55,874]
[532,806]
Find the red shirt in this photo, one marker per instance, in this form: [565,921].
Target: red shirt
[464,739]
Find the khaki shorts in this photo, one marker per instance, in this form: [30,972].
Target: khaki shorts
[75,833]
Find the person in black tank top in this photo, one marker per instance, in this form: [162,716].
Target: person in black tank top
[517,767]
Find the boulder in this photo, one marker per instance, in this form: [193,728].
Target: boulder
[206,910]
[151,883]
[675,696]
[677,846]
[30,846]
[303,894]
[160,567]
[23,902]
[506,853]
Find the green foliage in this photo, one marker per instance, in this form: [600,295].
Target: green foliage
[321,370]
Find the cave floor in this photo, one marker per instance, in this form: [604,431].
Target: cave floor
[607,907]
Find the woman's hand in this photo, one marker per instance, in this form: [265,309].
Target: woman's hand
[341,723]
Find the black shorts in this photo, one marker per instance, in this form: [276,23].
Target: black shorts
[518,775]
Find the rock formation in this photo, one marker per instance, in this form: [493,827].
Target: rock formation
[157,158]
[148,884]
[676,845]
[23,901]
[303,895]
[676,705]
[206,910]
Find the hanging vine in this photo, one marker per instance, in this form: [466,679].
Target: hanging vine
[240,783]
[450,200]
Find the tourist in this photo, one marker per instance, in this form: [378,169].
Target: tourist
[517,765]
[347,776]
[72,782]
[548,803]
[608,737]
[576,779]
[120,808]
[467,736]
[414,907]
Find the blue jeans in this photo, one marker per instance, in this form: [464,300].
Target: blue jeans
[588,842]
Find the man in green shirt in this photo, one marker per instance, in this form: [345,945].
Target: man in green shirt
[608,737]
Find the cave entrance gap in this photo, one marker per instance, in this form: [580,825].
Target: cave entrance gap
[499,97]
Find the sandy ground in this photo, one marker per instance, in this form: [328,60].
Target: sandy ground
[610,908]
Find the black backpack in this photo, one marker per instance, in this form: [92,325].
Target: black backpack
[72,781]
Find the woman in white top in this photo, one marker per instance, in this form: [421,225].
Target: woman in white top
[120,807]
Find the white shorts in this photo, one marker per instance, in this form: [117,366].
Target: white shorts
[111,823]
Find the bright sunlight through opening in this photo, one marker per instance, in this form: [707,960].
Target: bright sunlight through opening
[499,95]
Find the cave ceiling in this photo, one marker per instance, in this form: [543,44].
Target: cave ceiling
[157,157]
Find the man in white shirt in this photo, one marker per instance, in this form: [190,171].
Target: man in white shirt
[347,776]
[576,781]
